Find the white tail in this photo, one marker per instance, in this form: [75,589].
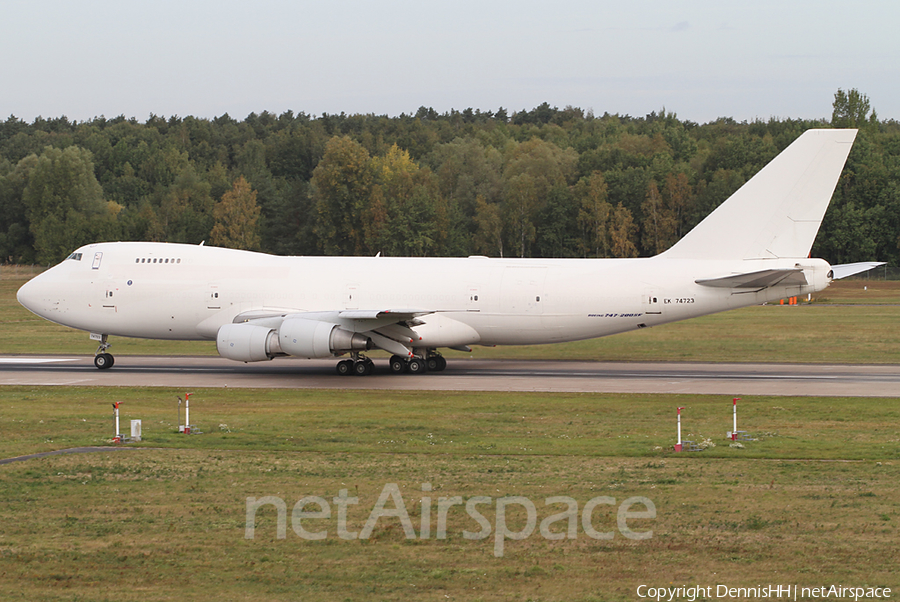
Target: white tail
[777,213]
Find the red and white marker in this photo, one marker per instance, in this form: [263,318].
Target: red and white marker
[734,428]
[678,445]
[187,414]
[118,437]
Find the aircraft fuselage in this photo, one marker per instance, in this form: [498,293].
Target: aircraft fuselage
[174,291]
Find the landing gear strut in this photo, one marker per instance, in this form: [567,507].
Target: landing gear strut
[102,359]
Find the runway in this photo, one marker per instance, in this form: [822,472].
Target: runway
[464,374]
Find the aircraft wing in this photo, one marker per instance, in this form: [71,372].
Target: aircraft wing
[381,315]
[758,280]
[388,329]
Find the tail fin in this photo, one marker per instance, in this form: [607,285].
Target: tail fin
[777,213]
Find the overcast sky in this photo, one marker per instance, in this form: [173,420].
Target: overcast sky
[700,59]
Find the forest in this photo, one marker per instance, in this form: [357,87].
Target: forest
[545,182]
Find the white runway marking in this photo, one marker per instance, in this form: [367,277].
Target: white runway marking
[36,360]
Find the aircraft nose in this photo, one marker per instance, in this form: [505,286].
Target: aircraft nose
[32,295]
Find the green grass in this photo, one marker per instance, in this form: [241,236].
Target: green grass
[814,501]
[35,419]
[852,325]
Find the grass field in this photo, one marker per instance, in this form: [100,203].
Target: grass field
[816,500]
[853,321]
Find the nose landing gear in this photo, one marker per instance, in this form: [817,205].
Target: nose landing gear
[102,359]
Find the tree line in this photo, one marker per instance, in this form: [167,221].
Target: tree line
[544,182]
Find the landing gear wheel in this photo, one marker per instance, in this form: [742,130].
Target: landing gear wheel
[363,367]
[104,361]
[344,367]
[436,363]
[417,366]
[398,364]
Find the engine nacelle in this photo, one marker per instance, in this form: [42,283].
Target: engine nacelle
[247,342]
[313,338]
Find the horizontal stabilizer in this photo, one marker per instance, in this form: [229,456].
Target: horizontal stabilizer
[848,269]
[758,280]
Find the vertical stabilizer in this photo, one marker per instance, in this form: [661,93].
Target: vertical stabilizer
[777,213]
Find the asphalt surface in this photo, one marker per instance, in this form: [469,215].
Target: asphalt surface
[465,374]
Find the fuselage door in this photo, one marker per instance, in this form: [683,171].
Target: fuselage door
[521,290]
[109,300]
[472,304]
[651,302]
[212,297]
[351,294]
[97,257]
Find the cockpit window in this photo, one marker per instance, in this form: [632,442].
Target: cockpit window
[75,256]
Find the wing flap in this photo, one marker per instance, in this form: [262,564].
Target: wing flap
[375,314]
[389,345]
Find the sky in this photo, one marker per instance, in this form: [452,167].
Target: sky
[701,59]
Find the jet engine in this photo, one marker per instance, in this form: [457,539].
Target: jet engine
[312,338]
[247,342]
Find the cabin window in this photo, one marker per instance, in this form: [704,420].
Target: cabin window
[137,260]
[179,260]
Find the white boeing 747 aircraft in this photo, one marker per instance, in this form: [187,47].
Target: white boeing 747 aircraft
[752,249]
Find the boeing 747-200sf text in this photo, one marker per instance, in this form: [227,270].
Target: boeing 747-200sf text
[752,249]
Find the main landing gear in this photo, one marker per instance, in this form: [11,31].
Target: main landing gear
[363,366]
[433,362]
[102,359]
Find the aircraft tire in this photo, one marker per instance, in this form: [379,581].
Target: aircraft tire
[397,364]
[417,366]
[363,368]
[344,367]
[104,361]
